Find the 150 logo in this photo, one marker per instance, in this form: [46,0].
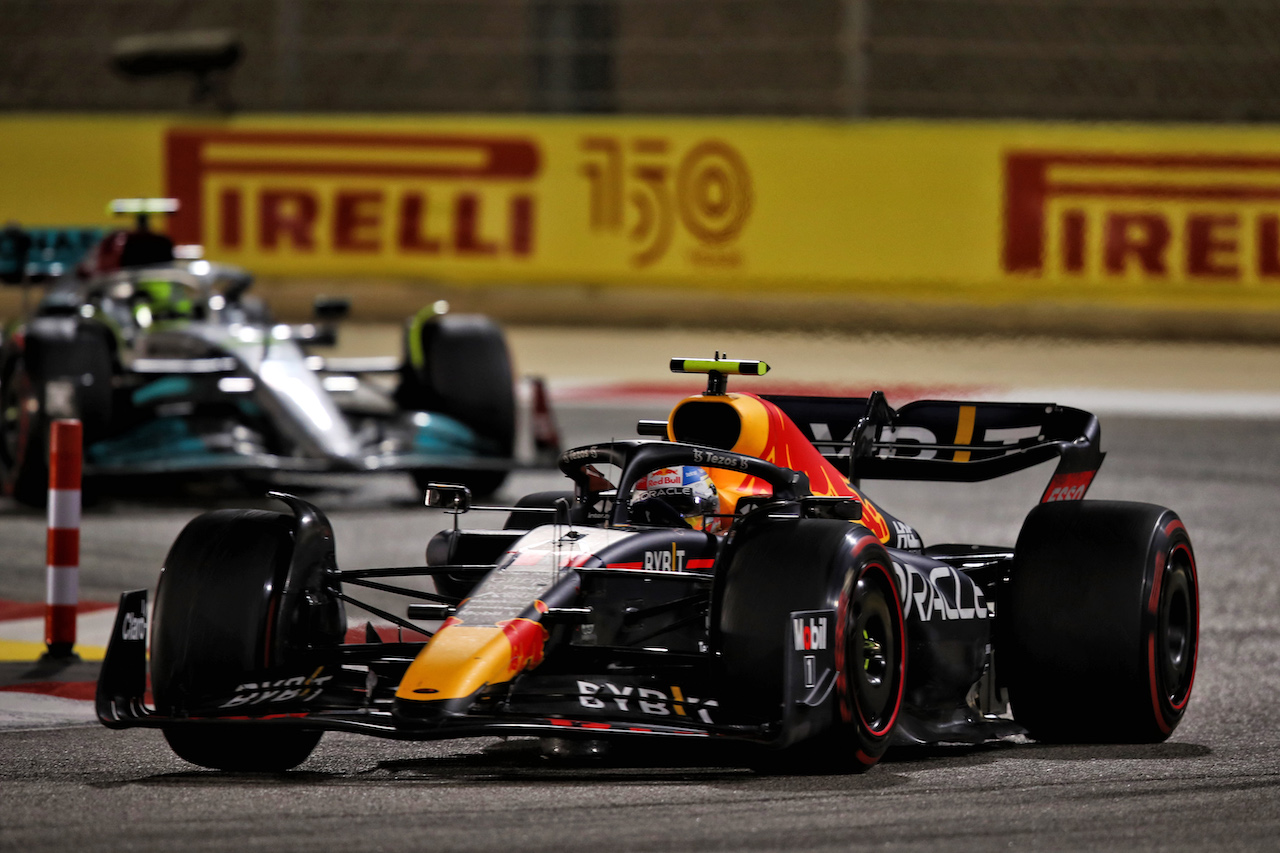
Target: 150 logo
[647,189]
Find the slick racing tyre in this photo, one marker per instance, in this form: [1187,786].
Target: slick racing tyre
[213,626]
[779,568]
[79,355]
[458,365]
[24,443]
[1103,602]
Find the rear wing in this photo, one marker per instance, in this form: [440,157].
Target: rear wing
[948,440]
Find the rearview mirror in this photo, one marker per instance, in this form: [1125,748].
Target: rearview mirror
[448,497]
[843,508]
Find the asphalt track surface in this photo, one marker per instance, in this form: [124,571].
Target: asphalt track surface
[1206,444]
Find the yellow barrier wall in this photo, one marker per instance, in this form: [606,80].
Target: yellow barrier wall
[979,210]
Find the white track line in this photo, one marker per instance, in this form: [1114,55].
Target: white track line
[24,711]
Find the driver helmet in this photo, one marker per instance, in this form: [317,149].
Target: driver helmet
[688,490]
[165,300]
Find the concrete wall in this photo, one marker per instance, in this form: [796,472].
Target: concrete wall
[1200,60]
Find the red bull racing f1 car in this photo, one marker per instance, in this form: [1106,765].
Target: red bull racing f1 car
[724,579]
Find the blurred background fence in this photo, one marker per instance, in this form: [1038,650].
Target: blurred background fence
[1179,60]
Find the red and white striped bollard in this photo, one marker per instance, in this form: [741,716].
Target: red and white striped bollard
[62,564]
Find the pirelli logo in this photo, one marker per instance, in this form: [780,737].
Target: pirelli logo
[268,192]
[1206,217]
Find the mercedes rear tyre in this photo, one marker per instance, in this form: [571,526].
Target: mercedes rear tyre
[1103,601]
[215,618]
[24,436]
[458,365]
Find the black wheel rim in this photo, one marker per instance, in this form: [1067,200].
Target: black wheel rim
[1176,629]
[872,653]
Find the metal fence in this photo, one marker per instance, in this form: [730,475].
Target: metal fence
[1204,60]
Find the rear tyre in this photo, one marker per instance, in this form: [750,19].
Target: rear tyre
[1103,601]
[24,435]
[215,604]
[779,568]
[458,365]
[80,355]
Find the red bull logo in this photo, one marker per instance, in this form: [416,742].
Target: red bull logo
[528,640]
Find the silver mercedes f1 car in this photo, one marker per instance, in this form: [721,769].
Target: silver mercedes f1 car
[173,367]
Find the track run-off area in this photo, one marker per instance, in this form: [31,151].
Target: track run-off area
[1195,427]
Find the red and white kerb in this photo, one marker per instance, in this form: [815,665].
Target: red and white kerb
[62,572]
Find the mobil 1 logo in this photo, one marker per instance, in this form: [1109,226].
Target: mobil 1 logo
[810,653]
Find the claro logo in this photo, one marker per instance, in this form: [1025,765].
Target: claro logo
[349,193]
[1206,217]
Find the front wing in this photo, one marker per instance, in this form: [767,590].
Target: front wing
[337,702]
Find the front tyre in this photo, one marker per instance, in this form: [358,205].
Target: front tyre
[870,656]
[780,568]
[1103,602]
[242,747]
[215,617]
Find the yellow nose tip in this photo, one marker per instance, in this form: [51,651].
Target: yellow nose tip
[460,660]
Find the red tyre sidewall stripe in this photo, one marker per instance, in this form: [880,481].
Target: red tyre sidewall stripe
[1156,705]
[847,702]
[1158,701]
[901,668]
[844,700]
[1195,648]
